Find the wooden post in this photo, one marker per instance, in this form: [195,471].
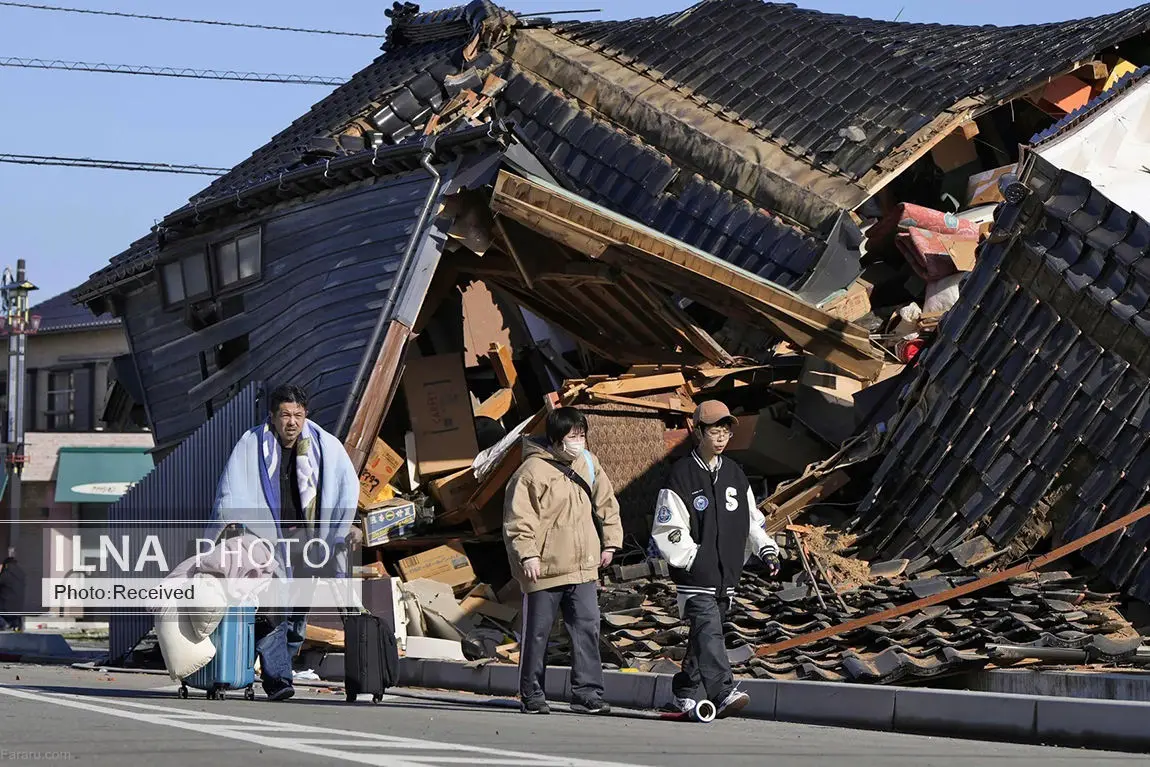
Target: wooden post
[377,395]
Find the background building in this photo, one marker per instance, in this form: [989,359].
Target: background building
[86,443]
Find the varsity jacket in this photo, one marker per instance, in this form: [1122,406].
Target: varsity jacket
[707,526]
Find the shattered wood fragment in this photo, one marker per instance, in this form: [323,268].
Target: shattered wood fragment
[381,387]
[496,406]
[505,372]
[789,500]
[637,385]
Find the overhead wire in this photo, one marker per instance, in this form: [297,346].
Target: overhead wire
[88,162]
[182,72]
[210,22]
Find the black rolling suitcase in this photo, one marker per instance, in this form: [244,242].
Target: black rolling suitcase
[371,657]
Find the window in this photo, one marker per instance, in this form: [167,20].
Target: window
[185,280]
[237,260]
[61,410]
[234,261]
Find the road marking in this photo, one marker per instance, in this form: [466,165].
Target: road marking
[307,739]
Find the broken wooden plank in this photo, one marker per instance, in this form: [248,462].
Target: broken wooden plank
[798,495]
[640,385]
[959,591]
[495,406]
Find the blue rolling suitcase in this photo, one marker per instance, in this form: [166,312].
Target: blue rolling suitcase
[233,667]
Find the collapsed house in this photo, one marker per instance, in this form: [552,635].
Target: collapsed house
[737,200]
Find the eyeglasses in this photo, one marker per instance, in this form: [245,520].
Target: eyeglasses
[719,432]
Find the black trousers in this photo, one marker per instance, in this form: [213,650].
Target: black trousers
[580,607]
[706,667]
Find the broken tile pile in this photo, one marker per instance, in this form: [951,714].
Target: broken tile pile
[1040,610]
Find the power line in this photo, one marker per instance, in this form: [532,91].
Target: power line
[186,72]
[87,162]
[210,22]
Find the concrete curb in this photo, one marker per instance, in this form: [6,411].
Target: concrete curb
[1107,725]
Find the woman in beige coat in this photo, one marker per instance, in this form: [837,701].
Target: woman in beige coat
[561,525]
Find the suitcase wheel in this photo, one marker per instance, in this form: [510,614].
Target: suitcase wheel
[250,693]
[377,697]
[351,696]
[221,694]
[183,692]
[211,693]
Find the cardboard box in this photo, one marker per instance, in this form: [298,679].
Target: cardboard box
[480,606]
[982,188]
[381,466]
[960,252]
[446,564]
[455,490]
[953,152]
[852,305]
[439,404]
[393,519]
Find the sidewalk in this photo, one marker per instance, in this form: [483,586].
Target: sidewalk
[1109,725]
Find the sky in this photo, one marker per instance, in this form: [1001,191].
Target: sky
[68,222]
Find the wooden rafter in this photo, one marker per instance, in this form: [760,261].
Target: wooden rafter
[600,234]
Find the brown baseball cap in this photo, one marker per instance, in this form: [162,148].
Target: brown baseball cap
[712,412]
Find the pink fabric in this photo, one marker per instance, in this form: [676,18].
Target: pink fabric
[928,253]
[913,230]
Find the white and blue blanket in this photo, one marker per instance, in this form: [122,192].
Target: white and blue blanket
[249,489]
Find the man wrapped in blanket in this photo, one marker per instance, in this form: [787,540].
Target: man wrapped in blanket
[288,480]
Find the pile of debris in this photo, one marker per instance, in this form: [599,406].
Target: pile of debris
[816,419]
[1053,610]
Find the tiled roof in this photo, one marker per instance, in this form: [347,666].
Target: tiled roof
[598,161]
[1031,412]
[798,78]
[58,314]
[419,53]
[839,91]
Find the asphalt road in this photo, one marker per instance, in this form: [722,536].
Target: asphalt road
[64,716]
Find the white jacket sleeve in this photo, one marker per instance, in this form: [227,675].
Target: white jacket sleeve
[672,531]
[759,541]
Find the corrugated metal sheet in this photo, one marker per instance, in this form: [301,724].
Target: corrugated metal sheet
[181,487]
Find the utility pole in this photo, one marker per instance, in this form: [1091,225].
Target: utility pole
[17,325]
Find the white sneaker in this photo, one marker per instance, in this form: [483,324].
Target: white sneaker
[735,702]
[685,705]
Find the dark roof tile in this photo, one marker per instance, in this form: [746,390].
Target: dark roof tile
[59,314]
[776,65]
[1070,404]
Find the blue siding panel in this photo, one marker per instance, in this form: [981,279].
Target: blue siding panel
[181,487]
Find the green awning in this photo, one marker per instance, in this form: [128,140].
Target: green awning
[99,474]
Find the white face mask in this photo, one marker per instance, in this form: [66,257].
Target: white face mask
[574,446]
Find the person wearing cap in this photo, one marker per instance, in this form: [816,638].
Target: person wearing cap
[706,526]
